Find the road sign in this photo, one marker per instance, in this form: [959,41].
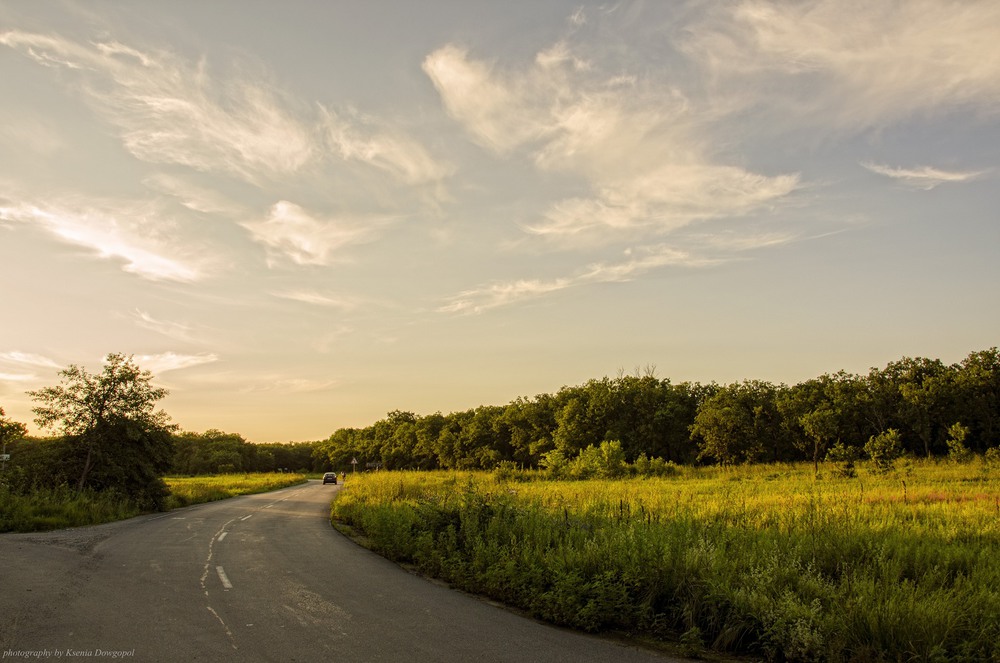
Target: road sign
[354,461]
[5,457]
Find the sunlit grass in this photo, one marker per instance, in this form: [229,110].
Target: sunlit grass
[185,491]
[57,508]
[766,560]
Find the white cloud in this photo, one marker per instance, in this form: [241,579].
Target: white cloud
[317,299]
[293,233]
[170,111]
[173,111]
[28,359]
[663,200]
[923,177]
[852,64]
[500,112]
[131,233]
[18,377]
[194,197]
[171,361]
[642,149]
[389,150]
[637,262]
[501,294]
[172,330]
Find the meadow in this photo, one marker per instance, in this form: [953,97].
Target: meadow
[185,491]
[56,508]
[768,560]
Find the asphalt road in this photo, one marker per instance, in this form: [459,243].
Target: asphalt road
[254,578]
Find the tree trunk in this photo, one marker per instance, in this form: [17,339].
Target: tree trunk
[87,464]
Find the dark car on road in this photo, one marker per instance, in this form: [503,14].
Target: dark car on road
[330,477]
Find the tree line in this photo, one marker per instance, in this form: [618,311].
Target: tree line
[110,436]
[921,407]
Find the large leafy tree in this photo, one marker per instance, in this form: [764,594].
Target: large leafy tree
[739,423]
[120,440]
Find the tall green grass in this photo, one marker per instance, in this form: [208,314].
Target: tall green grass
[767,561]
[57,508]
[44,509]
[185,491]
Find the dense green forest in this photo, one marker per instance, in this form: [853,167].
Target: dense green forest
[923,406]
[918,406]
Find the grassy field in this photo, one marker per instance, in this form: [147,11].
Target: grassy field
[48,509]
[767,560]
[185,491]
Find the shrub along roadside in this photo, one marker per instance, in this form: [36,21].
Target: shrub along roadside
[45,509]
[739,566]
[58,508]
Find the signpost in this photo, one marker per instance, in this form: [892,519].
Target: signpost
[354,465]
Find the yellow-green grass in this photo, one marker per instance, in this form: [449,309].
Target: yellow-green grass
[767,560]
[56,508]
[185,491]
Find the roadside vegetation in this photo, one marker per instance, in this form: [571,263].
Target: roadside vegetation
[45,509]
[185,491]
[57,508]
[111,448]
[772,560]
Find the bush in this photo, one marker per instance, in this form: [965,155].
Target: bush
[957,451]
[883,450]
[844,457]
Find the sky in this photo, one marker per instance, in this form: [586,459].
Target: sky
[300,216]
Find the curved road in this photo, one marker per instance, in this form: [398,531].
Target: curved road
[255,578]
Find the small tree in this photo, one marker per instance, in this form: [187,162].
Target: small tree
[554,462]
[957,451]
[883,450]
[120,440]
[820,426]
[844,456]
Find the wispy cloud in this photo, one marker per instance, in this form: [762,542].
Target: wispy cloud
[173,111]
[172,330]
[171,361]
[18,377]
[193,196]
[28,359]
[135,234]
[636,262]
[293,233]
[923,177]
[318,299]
[21,360]
[853,65]
[640,148]
[666,199]
[369,141]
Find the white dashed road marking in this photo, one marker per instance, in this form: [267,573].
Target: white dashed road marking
[222,576]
